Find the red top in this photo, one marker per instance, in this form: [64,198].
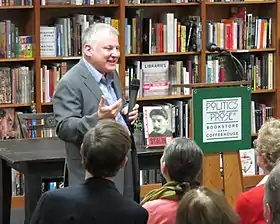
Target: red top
[249,206]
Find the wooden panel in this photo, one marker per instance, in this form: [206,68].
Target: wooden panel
[211,171]
[251,181]
[147,188]
[18,202]
[233,181]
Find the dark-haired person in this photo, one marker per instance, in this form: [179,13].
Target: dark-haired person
[104,151]
[160,123]
[205,206]
[180,165]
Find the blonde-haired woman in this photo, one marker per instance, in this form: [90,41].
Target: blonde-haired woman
[249,204]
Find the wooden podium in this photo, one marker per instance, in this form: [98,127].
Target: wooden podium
[221,116]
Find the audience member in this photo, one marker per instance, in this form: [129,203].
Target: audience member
[249,204]
[272,197]
[180,165]
[205,206]
[104,151]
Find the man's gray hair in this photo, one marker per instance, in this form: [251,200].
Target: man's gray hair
[272,191]
[97,32]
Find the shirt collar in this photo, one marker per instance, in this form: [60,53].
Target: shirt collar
[263,181]
[97,75]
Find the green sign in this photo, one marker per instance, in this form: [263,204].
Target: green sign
[222,118]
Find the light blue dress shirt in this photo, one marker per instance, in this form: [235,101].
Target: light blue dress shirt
[105,84]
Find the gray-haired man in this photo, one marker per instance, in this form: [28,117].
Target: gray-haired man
[89,92]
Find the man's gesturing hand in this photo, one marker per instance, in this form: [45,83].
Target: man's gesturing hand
[108,112]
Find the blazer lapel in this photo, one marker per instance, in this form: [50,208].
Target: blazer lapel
[90,82]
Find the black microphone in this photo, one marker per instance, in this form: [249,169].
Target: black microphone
[213,47]
[134,87]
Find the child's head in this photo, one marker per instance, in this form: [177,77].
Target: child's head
[181,161]
[205,206]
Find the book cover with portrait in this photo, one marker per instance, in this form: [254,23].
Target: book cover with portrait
[157,125]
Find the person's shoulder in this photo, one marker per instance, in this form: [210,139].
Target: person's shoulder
[67,193]
[250,199]
[135,208]
[160,204]
[73,74]
[254,194]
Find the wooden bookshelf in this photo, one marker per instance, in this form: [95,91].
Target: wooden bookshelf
[36,15]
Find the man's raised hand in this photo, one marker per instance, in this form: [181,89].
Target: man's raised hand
[108,112]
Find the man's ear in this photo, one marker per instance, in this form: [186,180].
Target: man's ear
[124,162]
[260,160]
[164,169]
[88,50]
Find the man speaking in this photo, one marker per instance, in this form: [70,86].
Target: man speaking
[91,91]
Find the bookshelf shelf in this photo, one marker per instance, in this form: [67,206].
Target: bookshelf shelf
[16,59]
[17,7]
[261,91]
[156,98]
[240,51]
[60,58]
[162,54]
[79,6]
[161,5]
[241,3]
[6,105]
[47,104]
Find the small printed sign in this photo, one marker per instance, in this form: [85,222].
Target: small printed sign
[222,119]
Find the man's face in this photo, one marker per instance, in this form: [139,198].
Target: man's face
[104,55]
[159,124]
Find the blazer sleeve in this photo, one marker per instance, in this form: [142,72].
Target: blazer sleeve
[67,106]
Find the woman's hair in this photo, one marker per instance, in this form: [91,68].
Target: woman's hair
[183,159]
[268,142]
[205,206]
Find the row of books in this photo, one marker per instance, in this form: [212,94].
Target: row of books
[15,2]
[96,2]
[258,69]
[65,37]
[168,34]
[17,85]
[156,77]
[241,31]
[13,45]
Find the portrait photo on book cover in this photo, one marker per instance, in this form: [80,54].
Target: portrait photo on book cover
[159,122]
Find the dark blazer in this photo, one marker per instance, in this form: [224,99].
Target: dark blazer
[97,201]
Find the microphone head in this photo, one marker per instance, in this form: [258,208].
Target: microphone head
[211,47]
[135,84]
